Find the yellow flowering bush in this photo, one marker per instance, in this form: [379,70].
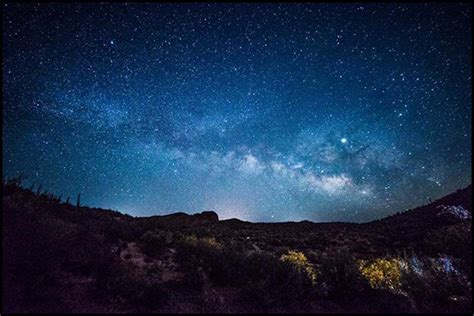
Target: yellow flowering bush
[190,240]
[301,263]
[211,242]
[381,273]
[206,242]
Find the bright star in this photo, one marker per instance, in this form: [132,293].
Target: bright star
[343,140]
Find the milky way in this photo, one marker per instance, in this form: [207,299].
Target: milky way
[268,112]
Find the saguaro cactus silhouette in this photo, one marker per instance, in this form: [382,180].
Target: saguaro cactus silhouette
[78,200]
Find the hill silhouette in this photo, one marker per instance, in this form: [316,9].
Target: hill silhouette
[58,257]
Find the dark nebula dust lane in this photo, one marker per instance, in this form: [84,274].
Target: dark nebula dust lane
[264,112]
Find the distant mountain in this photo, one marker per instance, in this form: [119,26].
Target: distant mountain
[447,221]
[434,213]
[58,257]
[178,220]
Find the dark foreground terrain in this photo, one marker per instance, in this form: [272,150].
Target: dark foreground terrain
[58,257]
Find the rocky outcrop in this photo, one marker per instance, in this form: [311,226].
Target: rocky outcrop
[206,217]
[180,220]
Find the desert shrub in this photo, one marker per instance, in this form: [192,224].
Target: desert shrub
[299,261]
[35,253]
[154,296]
[120,229]
[119,284]
[200,245]
[382,273]
[200,231]
[263,279]
[260,279]
[197,257]
[192,280]
[87,248]
[112,278]
[454,240]
[274,242]
[236,246]
[293,242]
[339,274]
[153,243]
[189,240]
[225,267]
[211,242]
[193,250]
[436,289]
[271,283]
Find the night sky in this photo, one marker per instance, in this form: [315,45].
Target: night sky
[268,112]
